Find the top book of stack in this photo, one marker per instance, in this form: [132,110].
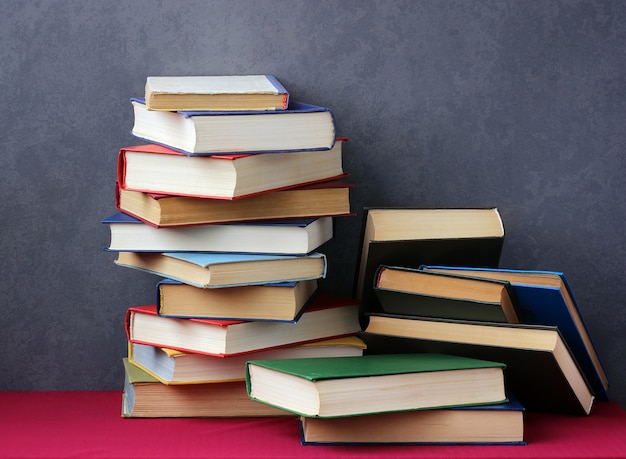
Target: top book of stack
[217,92]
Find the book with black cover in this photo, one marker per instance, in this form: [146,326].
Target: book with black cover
[541,371]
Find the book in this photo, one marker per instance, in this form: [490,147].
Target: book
[284,302]
[156,169]
[329,316]
[420,293]
[411,237]
[322,199]
[145,397]
[540,369]
[498,424]
[352,386]
[217,270]
[288,237]
[175,367]
[300,127]
[215,92]
[546,297]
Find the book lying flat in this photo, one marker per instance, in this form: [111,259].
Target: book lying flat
[411,237]
[545,297]
[300,127]
[156,169]
[322,199]
[176,367]
[215,92]
[283,302]
[351,386]
[540,369]
[218,270]
[498,424]
[145,397]
[420,293]
[289,237]
[328,317]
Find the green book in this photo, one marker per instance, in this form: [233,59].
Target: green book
[350,386]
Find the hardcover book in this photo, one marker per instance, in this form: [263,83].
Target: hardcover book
[546,297]
[175,367]
[300,127]
[540,369]
[322,199]
[498,424]
[328,317]
[218,270]
[215,92]
[288,237]
[351,386]
[145,397]
[155,169]
[411,237]
[420,293]
[284,302]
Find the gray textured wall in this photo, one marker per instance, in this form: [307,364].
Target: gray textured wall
[514,104]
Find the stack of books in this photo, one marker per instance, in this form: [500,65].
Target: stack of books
[227,204]
[431,293]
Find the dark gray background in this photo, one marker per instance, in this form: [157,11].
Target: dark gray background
[514,104]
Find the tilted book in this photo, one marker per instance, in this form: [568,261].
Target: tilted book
[415,292]
[219,270]
[328,317]
[321,199]
[152,168]
[546,298]
[350,386]
[176,367]
[300,127]
[215,92]
[540,369]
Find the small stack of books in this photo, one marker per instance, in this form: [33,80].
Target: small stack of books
[227,204]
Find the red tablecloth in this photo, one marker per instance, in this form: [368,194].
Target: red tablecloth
[88,425]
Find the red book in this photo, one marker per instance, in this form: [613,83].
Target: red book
[327,317]
[157,169]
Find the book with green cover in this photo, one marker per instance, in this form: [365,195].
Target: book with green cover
[349,386]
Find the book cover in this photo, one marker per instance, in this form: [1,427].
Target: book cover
[495,424]
[215,92]
[320,199]
[418,292]
[202,133]
[158,169]
[541,370]
[277,302]
[546,298]
[287,237]
[221,270]
[349,386]
[329,316]
[411,237]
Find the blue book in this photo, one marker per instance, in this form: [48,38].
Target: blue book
[286,237]
[301,127]
[546,298]
[277,302]
[498,424]
[219,270]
